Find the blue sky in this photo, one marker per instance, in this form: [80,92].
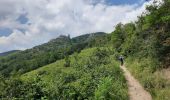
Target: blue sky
[24,24]
[22,19]
[5,31]
[120,2]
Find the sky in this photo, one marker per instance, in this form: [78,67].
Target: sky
[27,23]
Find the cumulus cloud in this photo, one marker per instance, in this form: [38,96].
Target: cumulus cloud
[50,18]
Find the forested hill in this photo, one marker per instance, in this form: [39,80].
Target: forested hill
[47,53]
[9,52]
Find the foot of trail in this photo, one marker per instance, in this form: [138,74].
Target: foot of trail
[136,91]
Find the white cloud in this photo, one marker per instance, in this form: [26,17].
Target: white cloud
[50,18]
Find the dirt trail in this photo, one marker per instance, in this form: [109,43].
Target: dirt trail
[136,91]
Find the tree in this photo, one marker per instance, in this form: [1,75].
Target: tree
[118,37]
[67,61]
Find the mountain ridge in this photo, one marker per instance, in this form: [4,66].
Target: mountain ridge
[46,53]
[9,52]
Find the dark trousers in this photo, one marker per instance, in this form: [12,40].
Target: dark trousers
[121,60]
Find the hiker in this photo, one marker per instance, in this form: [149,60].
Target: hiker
[121,58]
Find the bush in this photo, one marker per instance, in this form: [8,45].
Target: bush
[104,89]
[15,88]
[67,61]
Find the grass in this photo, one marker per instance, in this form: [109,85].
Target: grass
[88,77]
[158,86]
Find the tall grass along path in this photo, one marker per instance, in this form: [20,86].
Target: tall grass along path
[136,91]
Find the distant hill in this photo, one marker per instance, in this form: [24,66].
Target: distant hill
[87,37]
[47,53]
[9,52]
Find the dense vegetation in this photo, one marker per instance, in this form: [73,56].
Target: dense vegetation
[148,37]
[74,73]
[47,53]
[92,74]
[146,45]
[8,53]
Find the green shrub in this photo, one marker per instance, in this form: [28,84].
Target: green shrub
[15,88]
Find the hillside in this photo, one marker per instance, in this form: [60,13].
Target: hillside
[146,47]
[91,74]
[8,53]
[86,67]
[47,53]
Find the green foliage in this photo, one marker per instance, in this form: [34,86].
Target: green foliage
[84,76]
[25,61]
[148,37]
[154,82]
[118,37]
[104,88]
[108,91]
[67,61]
[15,88]
[8,53]
[93,73]
[146,45]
